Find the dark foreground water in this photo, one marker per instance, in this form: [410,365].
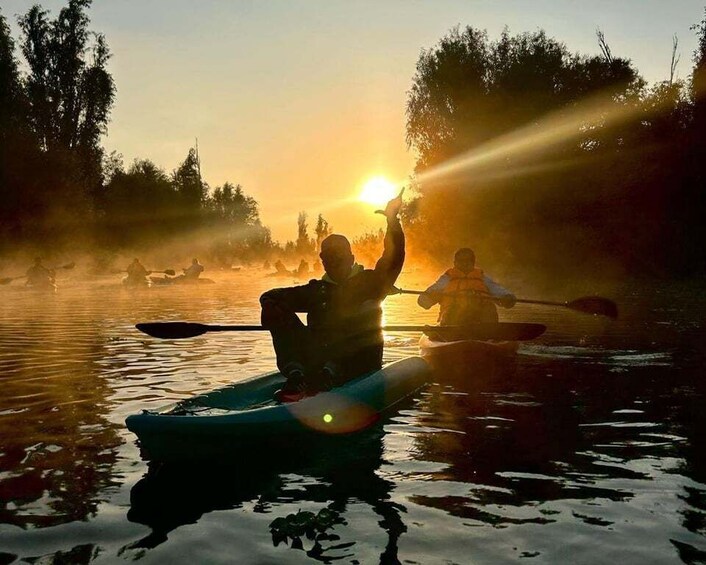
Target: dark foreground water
[589,449]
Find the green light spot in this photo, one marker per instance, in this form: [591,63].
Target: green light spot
[328,418]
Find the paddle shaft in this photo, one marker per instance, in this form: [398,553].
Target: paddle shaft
[595,305]
[504,331]
[518,300]
[216,328]
[8,280]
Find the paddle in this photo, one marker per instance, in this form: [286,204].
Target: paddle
[8,280]
[500,332]
[170,272]
[596,305]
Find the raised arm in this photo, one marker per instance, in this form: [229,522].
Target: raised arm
[390,263]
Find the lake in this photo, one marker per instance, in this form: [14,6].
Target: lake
[588,448]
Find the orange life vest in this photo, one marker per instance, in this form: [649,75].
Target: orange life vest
[465,294]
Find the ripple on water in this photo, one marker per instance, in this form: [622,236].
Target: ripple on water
[555,458]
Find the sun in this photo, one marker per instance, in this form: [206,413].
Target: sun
[377,191]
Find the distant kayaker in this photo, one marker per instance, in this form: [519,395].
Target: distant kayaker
[38,275]
[465,293]
[279,267]
[302,269]
[193,271]
[343,338]
[136,274]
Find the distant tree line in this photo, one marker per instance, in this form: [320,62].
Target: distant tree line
[57,185]
[544,158]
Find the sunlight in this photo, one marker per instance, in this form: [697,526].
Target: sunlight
[377,191]
[490,159]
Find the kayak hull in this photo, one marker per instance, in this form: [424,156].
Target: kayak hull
[224,421]
[166,281]
[467,348]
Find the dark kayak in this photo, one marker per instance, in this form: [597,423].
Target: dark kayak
[467,348]
[178,281]
[221,422]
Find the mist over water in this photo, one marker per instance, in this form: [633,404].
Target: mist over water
[588,449]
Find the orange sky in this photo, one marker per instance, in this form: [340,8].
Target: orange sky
[301,101]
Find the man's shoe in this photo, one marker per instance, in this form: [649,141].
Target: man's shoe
[330,376]
[294,388]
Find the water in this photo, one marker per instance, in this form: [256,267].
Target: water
[589,449]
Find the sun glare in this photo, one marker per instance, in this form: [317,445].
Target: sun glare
[377,191]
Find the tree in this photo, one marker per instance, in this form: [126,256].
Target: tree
[304,245]
[189,188]
[70,98]
[322,230]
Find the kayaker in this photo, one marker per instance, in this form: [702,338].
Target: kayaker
[343,338]
[136,273]
[38,275]
[302,269]
[193,271]
[465,293]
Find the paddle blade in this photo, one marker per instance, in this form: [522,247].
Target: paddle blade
[172,330]
[503,331]
[7,280]
[170,272]
[68,266]
[596,305]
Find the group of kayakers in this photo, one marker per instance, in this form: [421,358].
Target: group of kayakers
[137,274]
[300,272]
[342,338]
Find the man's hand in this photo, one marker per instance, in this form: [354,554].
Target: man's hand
[393,206]
[275,315]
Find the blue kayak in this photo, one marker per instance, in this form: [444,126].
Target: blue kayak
[221,422]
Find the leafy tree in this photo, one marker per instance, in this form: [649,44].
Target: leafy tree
[304,245]
[138,205]
[230,205]
[322,230]
[189,188]
[70,97]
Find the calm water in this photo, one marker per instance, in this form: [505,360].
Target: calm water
[589,449]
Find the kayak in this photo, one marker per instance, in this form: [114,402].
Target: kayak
[466,348]
[43,287]
[176,280]
[226,420]
[139,283]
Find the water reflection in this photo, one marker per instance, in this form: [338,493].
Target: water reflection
[588,447]
[328,474]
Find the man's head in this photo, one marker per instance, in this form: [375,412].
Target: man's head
[465,260]
[336,257]
[194,261]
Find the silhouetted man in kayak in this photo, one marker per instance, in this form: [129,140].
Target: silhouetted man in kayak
[136,274]
[466,294]
[343,338]
[38,275]
[193,271]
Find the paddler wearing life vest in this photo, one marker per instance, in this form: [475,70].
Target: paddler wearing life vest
[465,293]
[343,337]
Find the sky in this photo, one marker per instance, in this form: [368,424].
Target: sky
[302,101]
